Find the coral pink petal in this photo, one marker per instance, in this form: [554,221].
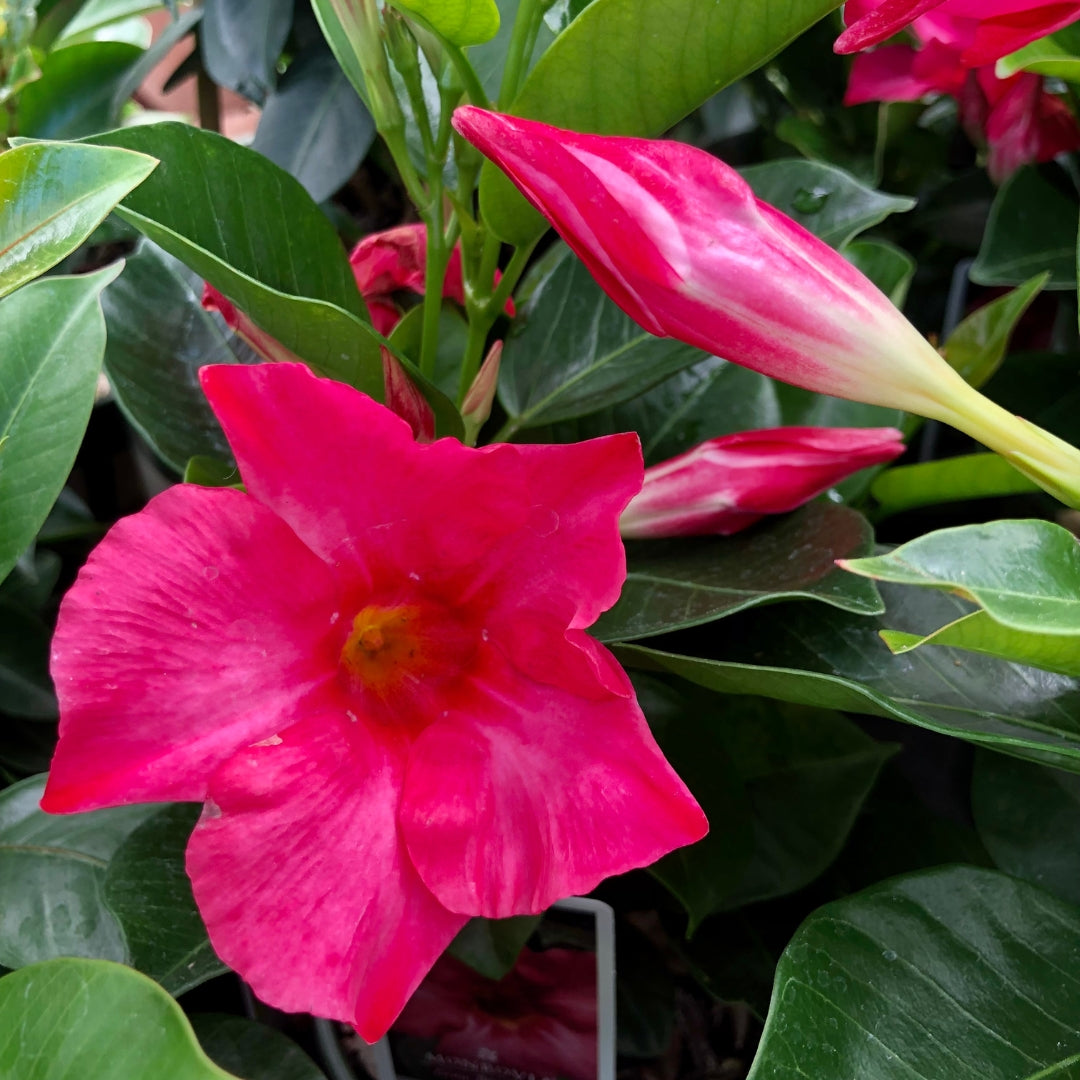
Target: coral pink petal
[303,880]
[548,793]
[197,626]
[523,516]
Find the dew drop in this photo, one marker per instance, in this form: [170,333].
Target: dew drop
[210,572]
[810,200]
[485,634]
[334,617]
[351,715]
[413,575]
[889,955]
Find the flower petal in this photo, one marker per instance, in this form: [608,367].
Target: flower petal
[549,792]
[533,522]
[304,882]
[197,626]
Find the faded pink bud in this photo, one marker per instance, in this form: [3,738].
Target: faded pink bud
[726,484]
[403,398]
[476,408]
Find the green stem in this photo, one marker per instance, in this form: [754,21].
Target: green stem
[479,326]
[467,73]
[434,273]
[399,151]
[528,14]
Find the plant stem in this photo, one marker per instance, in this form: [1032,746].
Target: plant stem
[529,14]
[434,273]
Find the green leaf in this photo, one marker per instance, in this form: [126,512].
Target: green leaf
[148,891]
[1044,57]
[314,125]
[25,687]
[52,872]
[954,972]
[573,351]
[96,1021]
[977,346]
[52,197]
[252,1050]
[674,584]
[1032,230]
[74,95]
[781,786]
[52,337]
[158,338]
[830,203]
[255,234]
[491,946]
[636,67]
[1026,574]
[1028,816]
[968,476]
[890,268]
[809,654]
[211,472]
[241,42]
[978,632]
[462,22]
[95,16]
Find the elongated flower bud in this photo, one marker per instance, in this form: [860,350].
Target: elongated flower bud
[726,484]
[679,241]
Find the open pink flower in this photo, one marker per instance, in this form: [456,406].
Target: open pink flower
[728,483]
[540,1018]
[983,30]
[372,666]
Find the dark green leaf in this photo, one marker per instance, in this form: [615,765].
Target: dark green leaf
[252,1050]
[674,584]
[491,946]
[32,581]
[52,198]
[255,234]
[636,67]
[52,337]
[52,872]
[241,42]
[1032,229]
[1028,816]
[149,893]
[823,199]
[95,1020]
[958,973]
[158,338]
[887,266]
[25,687]
[314,125]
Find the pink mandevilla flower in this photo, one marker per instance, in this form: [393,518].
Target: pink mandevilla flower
[372,666]
[728,483]
[982,30]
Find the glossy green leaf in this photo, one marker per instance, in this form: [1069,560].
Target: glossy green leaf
[955,972]
[674,584]
[94,16]
[254,233]
[491,946]
[52,874]
[967,476]
[95,1020]
[823,199]
[1045,57]
[314,125]
[810,654]
[1032,230]
[25,687]
[52,337]
[1026,574]
[978,632]
[1028,816]
[462,22]
[252,1050]
[74,95]
[683,52]
[241,42]
[52,197]
[780,785]
[887,266]
[573,351]
[211,472]
[977,346]
[148,891]
[158,338]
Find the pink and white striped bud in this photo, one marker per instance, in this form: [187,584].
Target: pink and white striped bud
[728,483]
[403,398]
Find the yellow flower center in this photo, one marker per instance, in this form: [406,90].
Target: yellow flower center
[385,649]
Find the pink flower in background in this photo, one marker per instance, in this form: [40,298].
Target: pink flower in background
[981,30]
[309,655]
[540,1018]
[728,483]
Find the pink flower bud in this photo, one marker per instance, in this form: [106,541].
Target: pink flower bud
[476,408]
[727,484]
[403,398]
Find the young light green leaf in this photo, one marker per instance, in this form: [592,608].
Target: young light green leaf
[52,197]
[1045,57]
[978,632]
[977,346]
[583,81]
[461,22]
[1026,574]
[954,972]
[52,338]
[95,1020]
